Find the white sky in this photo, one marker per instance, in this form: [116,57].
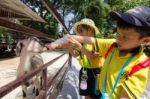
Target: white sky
[67,19]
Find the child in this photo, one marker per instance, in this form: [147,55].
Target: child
[90,61]
[122,76]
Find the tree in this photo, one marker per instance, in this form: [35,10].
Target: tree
[93,9]
[124,5]
[98,11]
[51,25]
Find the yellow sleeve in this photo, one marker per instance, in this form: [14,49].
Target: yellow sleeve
[147,89]
[98,61]
[103,45]
[135,85]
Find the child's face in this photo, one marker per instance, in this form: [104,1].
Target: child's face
[85,30]
[127,39]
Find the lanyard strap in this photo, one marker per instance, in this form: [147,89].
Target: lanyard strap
[119,75]
[105,81]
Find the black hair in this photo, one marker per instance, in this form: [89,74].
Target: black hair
[143,31]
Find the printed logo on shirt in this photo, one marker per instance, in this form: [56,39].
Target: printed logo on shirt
[124,75]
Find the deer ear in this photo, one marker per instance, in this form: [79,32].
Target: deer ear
[19,47]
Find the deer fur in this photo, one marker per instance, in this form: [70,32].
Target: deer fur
[29,51]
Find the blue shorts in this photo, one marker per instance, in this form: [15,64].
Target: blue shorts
[91,84]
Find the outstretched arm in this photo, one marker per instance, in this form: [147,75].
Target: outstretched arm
[70,39]
[81,39]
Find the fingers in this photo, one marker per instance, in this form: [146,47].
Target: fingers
[59,43]
[73,42]
[69,38]
[76,43]
[65,42]
[51,46]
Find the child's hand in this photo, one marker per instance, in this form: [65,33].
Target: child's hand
[65,42]
[51,46]
[72,42]
[59,43]
[76,45]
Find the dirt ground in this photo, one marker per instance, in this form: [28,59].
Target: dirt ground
[8,67]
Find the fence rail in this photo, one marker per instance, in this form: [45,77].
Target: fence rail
[51,85]
[24,29]
[47,85]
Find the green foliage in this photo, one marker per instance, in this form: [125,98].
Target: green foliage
[6,36]
[51,25]
[98,11]
[124,5]
[4,32]
[94,9]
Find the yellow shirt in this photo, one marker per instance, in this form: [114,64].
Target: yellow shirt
[134,85]
[88,62]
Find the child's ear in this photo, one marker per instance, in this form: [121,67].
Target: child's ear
[145,41]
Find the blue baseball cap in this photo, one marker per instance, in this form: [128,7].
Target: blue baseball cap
[139,16]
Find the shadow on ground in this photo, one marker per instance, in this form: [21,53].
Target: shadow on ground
[70,88]
[7,55]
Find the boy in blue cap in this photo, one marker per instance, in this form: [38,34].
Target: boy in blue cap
[125,71]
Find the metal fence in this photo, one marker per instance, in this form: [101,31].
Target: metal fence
[51,85]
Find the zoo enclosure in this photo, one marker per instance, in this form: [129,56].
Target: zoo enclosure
[51,85]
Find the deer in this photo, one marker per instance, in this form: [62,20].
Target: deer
[29,51]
